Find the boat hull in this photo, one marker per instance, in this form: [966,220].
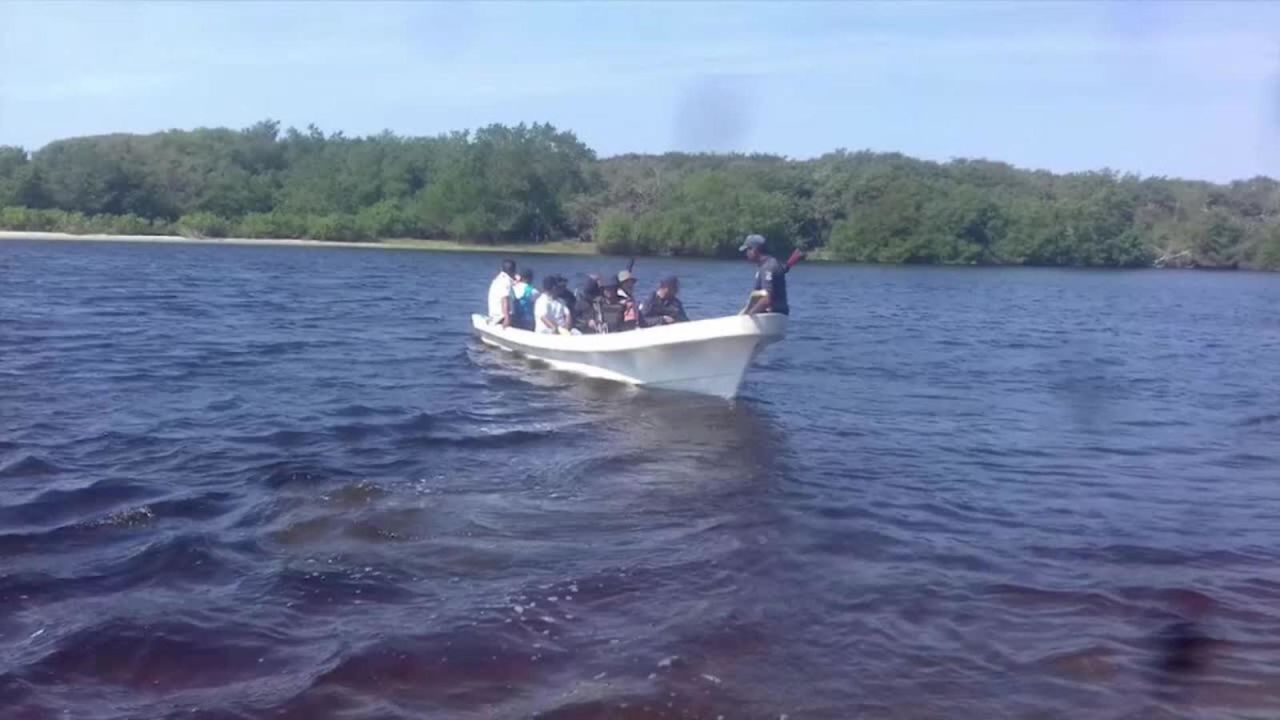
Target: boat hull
[708,357]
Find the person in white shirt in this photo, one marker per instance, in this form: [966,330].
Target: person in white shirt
[500,294]
[551,314]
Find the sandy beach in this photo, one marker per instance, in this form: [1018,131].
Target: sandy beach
[551,248]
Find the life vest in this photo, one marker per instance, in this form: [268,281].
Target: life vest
[611,314]
[630,312]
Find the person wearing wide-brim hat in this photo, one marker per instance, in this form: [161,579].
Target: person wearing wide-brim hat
[630,305]
[627,283]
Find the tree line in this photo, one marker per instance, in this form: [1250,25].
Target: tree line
[532,183]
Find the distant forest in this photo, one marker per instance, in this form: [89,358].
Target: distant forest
[533,183]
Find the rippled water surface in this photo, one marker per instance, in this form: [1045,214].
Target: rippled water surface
[246,482]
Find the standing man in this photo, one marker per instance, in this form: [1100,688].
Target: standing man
[500,294]
[770,293]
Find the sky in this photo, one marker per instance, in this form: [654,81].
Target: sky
[1188,89]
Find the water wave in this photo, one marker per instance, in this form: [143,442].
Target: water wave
[268,483]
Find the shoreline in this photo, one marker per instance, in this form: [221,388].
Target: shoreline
[557,247]
[551,248]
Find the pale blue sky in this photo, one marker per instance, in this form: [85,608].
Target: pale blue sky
[1184,89]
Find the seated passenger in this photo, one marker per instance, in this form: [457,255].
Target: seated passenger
[551,314]
[664,307]
[566,296]
[586,308]
[523,297]
[609,290]
[630,305]
[611,307]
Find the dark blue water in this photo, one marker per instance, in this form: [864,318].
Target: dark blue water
[285,483]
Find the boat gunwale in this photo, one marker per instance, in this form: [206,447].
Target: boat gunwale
[767,326]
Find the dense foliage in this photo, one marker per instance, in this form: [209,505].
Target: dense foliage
[534,183]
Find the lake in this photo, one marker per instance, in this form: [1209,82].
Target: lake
[264,482]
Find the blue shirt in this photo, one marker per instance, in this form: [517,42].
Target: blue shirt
[772,276]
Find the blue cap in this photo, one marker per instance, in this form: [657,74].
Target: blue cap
[752,241]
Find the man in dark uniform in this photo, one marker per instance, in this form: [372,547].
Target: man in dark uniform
[587,317]
[664,307]
[770,292]
[611,308]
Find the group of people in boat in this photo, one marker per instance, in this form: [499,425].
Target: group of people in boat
[612,304]
[601,305]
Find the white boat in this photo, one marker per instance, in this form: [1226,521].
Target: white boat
[708,357]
